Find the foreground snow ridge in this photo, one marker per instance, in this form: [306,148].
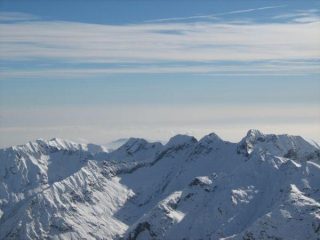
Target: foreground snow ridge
[264,187]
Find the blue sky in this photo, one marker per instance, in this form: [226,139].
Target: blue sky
[102,70]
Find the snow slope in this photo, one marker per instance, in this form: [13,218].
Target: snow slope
[264,187]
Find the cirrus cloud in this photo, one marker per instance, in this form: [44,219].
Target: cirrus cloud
[159,47]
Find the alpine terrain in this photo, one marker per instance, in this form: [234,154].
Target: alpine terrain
[264,187]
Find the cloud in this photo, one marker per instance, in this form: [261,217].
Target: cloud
[305,16]
[255,69]
[106,123]
[213,16]
[158,47]
[16,16]
[200,42]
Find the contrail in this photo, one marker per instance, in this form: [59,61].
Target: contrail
[214,16]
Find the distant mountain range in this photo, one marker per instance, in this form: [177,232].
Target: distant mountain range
[264,187]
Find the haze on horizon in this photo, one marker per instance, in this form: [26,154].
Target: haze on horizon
[102,70]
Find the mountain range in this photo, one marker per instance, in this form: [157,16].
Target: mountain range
[266,186]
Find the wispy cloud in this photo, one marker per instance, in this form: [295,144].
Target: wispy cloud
[159,47]
[145,42]
[213,16]
[16,16]
[256,69]
[305,16]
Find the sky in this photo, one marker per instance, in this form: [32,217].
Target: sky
[96,71]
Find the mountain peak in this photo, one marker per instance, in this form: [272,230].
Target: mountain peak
[55,144]
[133,145]
[181,139]
[135,141]
[136,145]
[254,133]
[212,137]
[283,145]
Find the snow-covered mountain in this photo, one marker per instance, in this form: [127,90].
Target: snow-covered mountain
[113,145]
[264,187]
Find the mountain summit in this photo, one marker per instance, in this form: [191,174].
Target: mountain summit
[266,186]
